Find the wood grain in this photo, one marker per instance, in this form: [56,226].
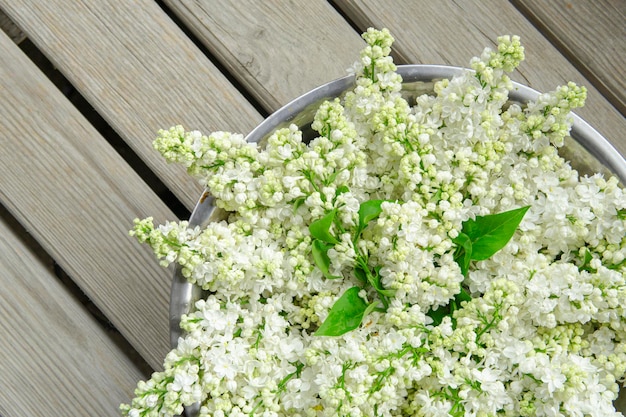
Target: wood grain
[78,198]
[55,359]
[278,49]
[451,33]
[138,70]
[11,29]
[592,34]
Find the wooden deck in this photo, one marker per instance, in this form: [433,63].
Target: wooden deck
[83,307]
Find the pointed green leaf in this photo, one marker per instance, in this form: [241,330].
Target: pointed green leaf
[448,310]
[491,233]
[368,211]
[341,189]
[319,250]
[586,266]
[345,315]
[331,179]
[458,300]
[438,314]
[462,296]
[371,307]
[386,293]
[320,228]
[360,274]
[618,265]
[298,202]
[463,253]
[374,280]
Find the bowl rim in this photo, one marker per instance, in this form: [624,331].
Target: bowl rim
[183,293]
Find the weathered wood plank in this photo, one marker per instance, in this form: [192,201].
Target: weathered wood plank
[423,35]
[278,50]
[593,36]
[77,196]
[10,28]
[55,359]
[138,70]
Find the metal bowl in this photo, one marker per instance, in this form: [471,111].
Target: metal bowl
[587,149]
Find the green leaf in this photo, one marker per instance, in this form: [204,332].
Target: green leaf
[345,315]
[333,176]
[448,310]
[373,306]
[457,302]
[298,202]
[368,211]
[617,266]
[463,253]
[374,280]
[341,189]
[360,274]
[320,228]
[462,296]
[586,262]
[491,233]
[438,314]
[319,250]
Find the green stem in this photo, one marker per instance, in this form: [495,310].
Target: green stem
[489,325]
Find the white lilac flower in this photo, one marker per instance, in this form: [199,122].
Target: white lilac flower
[380,201]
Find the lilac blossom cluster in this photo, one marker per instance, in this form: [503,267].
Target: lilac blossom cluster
[544,331]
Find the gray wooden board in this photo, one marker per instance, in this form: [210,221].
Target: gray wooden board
[451,33]
[55,359]
[142,77]
[78,198]
[593,34]
[138,70]
[277,49]
[10,29]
